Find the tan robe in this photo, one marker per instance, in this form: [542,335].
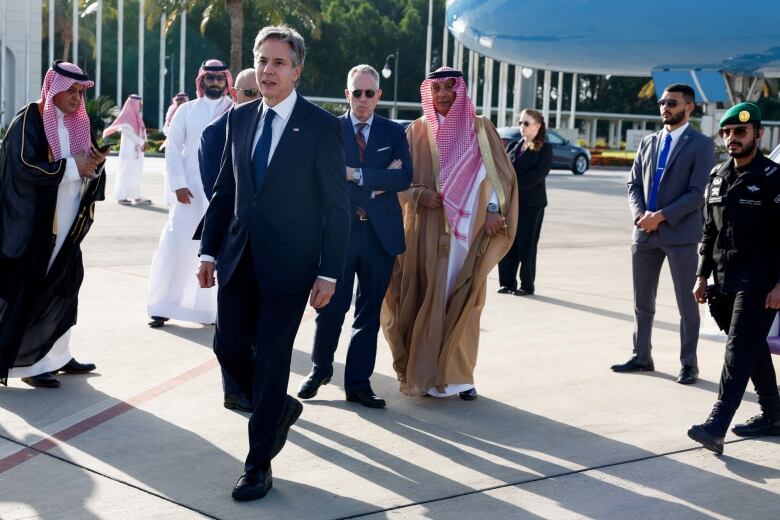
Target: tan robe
[435,342]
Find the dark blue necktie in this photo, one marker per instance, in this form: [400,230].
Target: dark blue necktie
[652,199]
[263,149]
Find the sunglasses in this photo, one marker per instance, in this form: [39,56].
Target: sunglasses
[527,123]
[249,92]
[671,103]
[358,93]
[738,132]
[214,77]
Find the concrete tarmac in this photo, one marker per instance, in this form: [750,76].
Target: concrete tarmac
[553,434]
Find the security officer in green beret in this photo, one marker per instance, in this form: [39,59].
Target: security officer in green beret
[741,250]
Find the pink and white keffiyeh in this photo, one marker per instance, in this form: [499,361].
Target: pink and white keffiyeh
[459,155]
[131,116]
[212,67]
[59,78]
[174,106]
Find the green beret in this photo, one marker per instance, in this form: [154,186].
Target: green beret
[741,113]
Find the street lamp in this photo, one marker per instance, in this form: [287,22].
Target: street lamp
[386,73]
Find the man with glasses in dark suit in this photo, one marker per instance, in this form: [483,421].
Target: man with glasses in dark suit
[666,193]
[379,166]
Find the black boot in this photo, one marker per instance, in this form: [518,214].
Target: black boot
[765,423]
[711,433]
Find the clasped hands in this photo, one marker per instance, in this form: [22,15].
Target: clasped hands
[650,221]
[321,292]
[87,162]
[395,165]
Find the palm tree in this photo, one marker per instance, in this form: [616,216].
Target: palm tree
[275,10]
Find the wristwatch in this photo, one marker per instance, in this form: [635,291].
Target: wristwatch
[492,207]
[357,175]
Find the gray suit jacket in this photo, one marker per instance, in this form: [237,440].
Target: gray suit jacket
[681,193]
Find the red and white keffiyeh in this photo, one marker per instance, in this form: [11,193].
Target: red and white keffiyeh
[459,155]
[174,106]
[131,116]
[59,78]
[212,67]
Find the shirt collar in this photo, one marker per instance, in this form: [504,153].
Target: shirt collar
[284,108]
[355,120]
[676,133]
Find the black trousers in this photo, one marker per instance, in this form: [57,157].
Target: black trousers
[367,259]
[247,316]
[748,356]
[522,254]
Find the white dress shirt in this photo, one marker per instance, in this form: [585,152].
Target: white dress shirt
[283,111]
[675,137]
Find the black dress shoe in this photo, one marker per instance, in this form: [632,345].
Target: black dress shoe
[157,322]
[45,380]
[311,385]
[633,365]
[705,435]
[688,375]
[505,290]
[758,426]
[468,395]
[522,292]
[292,410]
[74,367]
[366,397]
[250,487]
[238,402]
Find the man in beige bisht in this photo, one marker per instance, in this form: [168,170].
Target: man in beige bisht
[459,219]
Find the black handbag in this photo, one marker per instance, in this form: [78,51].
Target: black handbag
[721,306]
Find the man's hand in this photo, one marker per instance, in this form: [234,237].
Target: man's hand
[321,293]
[651,220]
[350,172]
[86,164]
[205,274]
[773,298]
[184,195]
[395,165]
[494,223]
[700,289]
[430,199]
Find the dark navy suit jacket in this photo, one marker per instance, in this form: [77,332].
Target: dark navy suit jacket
[212,144]
[297,221]
[386,142]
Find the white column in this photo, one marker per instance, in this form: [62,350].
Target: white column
[429,39]
[546,96]
[574,94]
[445,46]
[182,49]
[459,60]
[3,76]
[487,89]
[559,101]
[119,49]
[619,133]
[473,58]
[99,46]
[516,95]
[141,48]
[503,79]
[161,81]
[51,30]
[75,23]
[26,96]
[594,132]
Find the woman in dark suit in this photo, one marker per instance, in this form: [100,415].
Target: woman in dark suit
[532,161]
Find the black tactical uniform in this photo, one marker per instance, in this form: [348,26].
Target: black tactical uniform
[741,249]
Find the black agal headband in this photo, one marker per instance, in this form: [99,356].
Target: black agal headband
[68,74]
[444,74]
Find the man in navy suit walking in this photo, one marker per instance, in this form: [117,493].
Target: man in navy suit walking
[276,231]
[379,166]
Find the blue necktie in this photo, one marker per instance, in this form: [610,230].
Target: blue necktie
[652,199]
[263,149]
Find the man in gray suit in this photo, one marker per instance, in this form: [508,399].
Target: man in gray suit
[666,193]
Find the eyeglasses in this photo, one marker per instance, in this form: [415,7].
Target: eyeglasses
[249,92]
[358,93]
[739,132]
[671,103]
[527,123]
[214,77]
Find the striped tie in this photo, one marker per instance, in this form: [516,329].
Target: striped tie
[361,140]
